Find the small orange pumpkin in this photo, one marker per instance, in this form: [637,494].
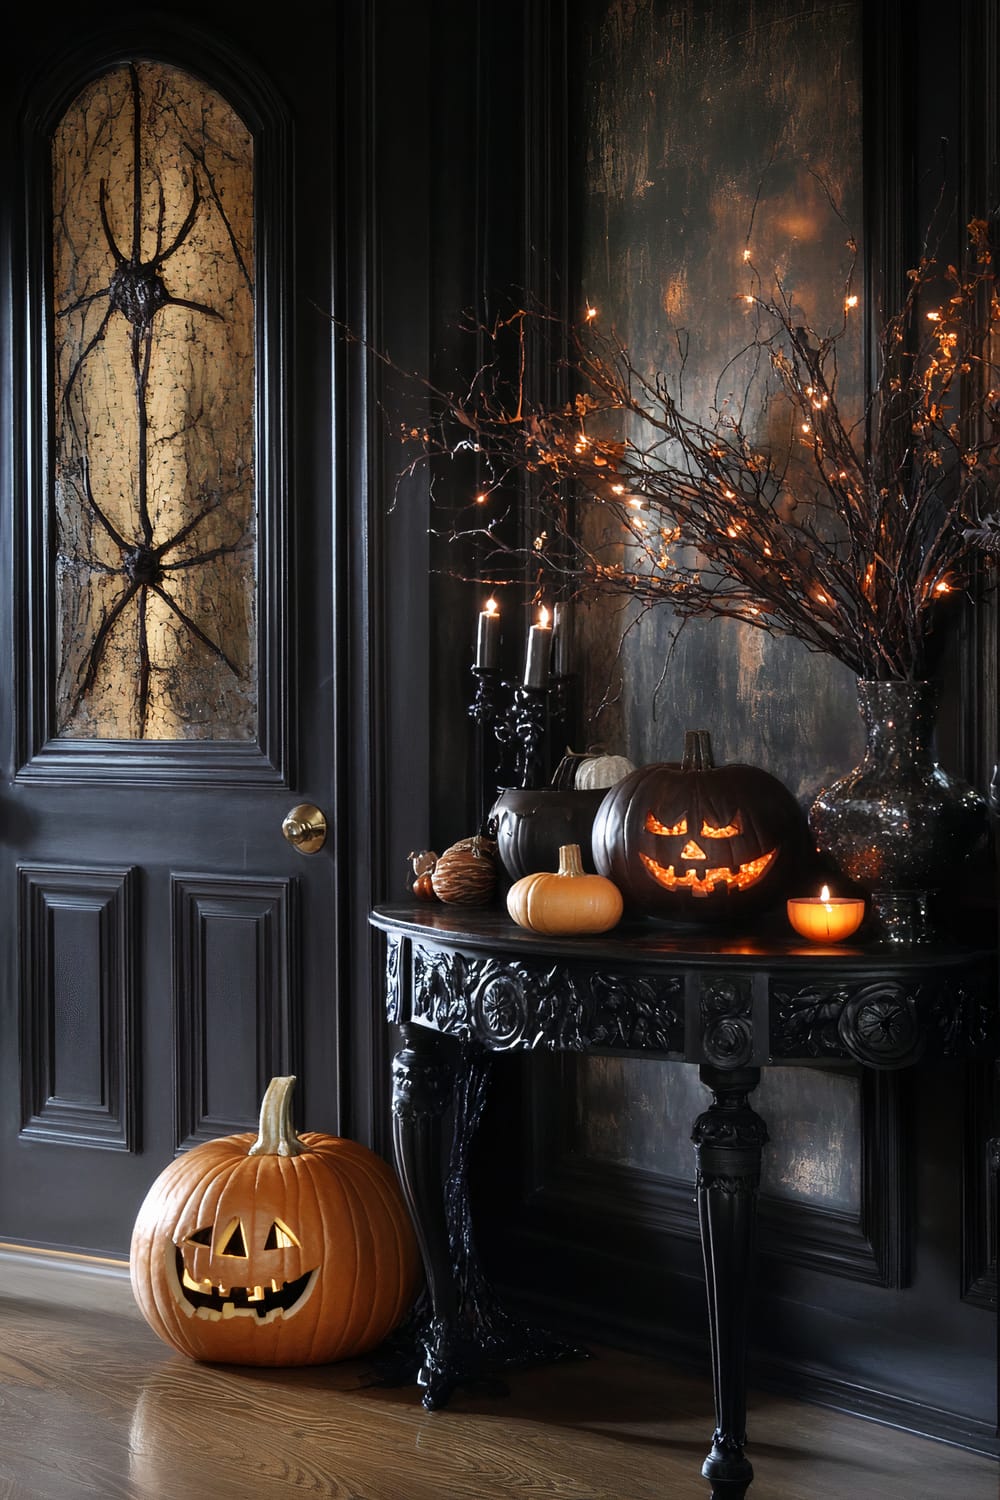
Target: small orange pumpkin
[566,902]
[279,1250]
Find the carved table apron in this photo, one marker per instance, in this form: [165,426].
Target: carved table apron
[463,983]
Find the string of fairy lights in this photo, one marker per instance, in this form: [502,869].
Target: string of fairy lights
[845,537]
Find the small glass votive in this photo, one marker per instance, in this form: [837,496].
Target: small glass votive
[825,918]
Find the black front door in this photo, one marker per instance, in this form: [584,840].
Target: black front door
[169,586]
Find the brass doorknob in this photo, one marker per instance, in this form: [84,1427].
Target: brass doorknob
[305,828]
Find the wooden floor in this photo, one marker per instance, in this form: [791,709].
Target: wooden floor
[92,1404]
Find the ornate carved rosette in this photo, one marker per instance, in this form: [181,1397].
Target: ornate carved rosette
[725,1005]
[885,1024]
[879,1027]
[501,1006]
[507,1004]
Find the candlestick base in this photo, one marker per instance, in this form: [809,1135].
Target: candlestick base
[485,704]
[528,723]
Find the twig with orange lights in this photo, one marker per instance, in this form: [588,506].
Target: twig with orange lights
[848,535]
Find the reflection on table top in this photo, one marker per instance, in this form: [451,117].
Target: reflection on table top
[768,943]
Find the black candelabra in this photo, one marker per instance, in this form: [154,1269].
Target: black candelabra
[514,727]
[514,720]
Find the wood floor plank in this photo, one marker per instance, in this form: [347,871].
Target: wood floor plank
[93,1405]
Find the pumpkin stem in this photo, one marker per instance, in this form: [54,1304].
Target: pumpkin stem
[697,751]
[276,1135]
[570,862]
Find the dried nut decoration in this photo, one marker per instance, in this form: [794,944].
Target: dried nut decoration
[423,862]
[466,874]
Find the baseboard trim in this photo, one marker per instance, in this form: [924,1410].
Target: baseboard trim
[67,1278]
[800,1382]
[44,1254]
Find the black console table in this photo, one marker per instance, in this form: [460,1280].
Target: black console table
[464,983]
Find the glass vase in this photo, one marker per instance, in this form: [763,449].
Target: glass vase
[898,825]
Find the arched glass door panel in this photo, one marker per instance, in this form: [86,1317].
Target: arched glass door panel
[153,404]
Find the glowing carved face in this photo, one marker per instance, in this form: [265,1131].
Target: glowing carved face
[706,864]
[274,1249]
[694,842]
[239,1267]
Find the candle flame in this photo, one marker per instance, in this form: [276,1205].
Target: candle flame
[543,618]
[491,606]
[824,894]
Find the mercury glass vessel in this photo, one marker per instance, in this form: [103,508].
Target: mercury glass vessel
[898,825]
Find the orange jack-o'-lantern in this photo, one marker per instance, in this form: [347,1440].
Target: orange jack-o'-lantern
[696,841]
[279,1250]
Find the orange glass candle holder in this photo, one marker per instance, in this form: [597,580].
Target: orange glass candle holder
[825,918]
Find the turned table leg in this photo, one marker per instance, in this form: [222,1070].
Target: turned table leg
[993,1157]
[422,1083]
[728,1139]
[467,1336]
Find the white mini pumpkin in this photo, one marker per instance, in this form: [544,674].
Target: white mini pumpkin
[596,771]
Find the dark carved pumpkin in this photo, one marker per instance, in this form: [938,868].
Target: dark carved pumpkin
[284,1250]
[695,841]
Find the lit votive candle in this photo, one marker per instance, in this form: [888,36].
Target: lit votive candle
[825,918]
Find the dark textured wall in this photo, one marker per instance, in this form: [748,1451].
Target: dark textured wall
[706,129]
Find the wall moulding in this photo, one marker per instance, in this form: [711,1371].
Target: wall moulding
[871,1246]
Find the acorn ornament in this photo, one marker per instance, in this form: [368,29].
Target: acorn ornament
[422,862]
[466,873]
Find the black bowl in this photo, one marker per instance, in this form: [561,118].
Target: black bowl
[532,826]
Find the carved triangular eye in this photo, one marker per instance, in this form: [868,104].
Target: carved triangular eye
[201,1236]
[280,1237]
[731,831]
[232,1240]
[671,830]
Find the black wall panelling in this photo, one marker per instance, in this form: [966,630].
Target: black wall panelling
[76,940]
[237,1002]
[979,1198]
[978,717]
[868,1241]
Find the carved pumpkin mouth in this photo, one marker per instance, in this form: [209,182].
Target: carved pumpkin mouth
[706,882]
[203,1299]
